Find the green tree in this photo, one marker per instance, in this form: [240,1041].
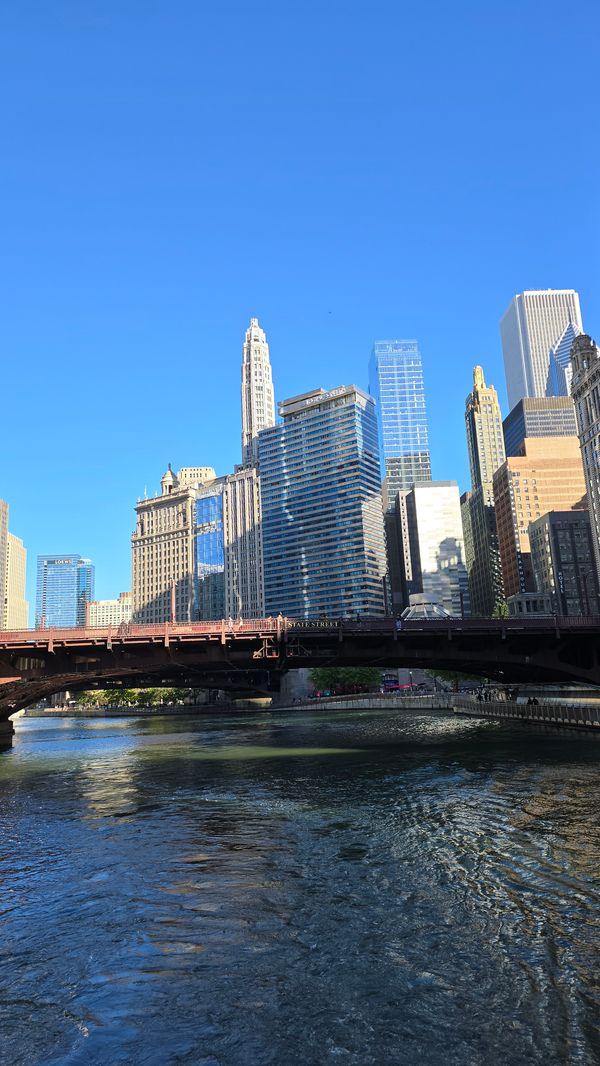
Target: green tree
[344,679]
[500,610]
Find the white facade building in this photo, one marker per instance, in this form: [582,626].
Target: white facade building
[433,546]
[531,328]
[258,397]
[110,612]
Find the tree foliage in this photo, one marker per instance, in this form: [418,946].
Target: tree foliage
[340,680]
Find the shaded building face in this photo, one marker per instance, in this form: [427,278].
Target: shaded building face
[65,585]
[396,385]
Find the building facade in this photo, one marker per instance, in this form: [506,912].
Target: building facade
[396,384]
[538,416]
[65,587]
[3,551]
[530,329]
[548,476]
[110,612]
[561,370]
[562,560]
[322,515]
[258,397]
[485,445]
[16,608]
[197,549]
[585,390]
[433,546]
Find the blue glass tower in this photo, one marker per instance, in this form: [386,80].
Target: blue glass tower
[210,556]
[396,384]
[322,518]
[65,585]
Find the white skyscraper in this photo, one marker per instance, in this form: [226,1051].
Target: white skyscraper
[531,329]
[258,398]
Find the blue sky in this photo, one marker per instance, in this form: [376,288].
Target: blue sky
[344,171]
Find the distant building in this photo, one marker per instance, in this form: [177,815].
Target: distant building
[197,549]
[322,518]
[562,560]
[531,328]
[538,416]
[529,603]
[65,586]
[258,397]
[3,552]
[585,357]
[485,445]
[547,477]
[561,370]
[433,546]
[16,608]
[110,612]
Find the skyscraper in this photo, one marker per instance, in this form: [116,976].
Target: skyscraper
[538,416]
[196,550]
[433,547]
[322,516]
[396,385]
[485,444]
[16,608]
[65,585]
[585,390]
[258,398]
[531,328]
[3,552]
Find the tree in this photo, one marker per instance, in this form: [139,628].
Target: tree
[500,610]
[344,679]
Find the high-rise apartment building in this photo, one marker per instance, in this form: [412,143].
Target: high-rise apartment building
[538,416]
[16,608]
[322,516]
[65,586]
[585,390]
[196,551]
[531,329]
[433,546]
[258,398]
[110,612]
[485,445]
[562,561]
[396,385]
[548,476]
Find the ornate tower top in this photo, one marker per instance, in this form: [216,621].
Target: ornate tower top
[258,398]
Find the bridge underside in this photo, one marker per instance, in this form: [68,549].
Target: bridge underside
[248,660]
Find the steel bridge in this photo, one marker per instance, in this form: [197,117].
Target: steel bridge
[248,657]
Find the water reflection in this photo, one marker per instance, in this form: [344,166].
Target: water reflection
[365,887]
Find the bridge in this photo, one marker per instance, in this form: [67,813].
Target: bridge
[247,657]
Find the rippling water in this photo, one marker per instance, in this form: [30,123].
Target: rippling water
[367,888]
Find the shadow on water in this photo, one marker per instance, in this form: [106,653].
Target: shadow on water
[368,887]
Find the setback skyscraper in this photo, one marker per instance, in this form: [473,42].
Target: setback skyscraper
[531,330]
[258,398]
[322,517]
[485,444]
[65,586]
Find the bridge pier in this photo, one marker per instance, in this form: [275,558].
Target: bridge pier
[7,731]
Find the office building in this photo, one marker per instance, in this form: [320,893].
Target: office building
[396,385]
[258,398]
[3,550]
[322,516]
[562,561]
[433,546]
[538,416]
[65,586]
[585,357]
[197,550]
[561,371]
[531,328]
[548,476]
[485,445]
[16,608]
[110,612]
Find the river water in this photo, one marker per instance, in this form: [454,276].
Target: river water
[349,888]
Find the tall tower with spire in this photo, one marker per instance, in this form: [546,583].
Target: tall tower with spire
[258,398]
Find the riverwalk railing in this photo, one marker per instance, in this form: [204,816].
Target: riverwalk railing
[580,715]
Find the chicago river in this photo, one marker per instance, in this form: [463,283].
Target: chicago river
[367,887]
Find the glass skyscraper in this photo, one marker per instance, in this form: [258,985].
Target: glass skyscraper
[65,585]
[396,385]
[210,555]
[322,517]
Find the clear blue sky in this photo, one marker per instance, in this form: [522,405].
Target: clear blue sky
[344,171]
